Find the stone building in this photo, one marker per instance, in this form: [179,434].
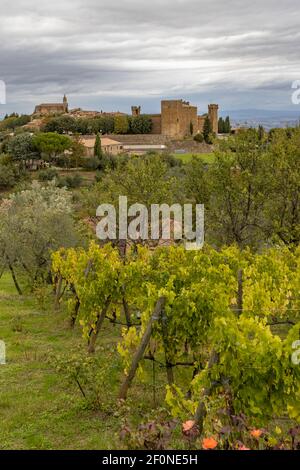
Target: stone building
[46,109]
[179,119]
[110,146]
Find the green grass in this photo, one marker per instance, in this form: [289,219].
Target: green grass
[39,408]
[187,157]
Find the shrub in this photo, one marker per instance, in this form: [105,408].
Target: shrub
[5,159]
[170,160]
[48,174]
[7,176]
[86,374]
[91,163]
[199,138]
[71,181]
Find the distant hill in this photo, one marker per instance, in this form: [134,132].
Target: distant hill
[266,118]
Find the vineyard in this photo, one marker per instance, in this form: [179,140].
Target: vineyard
[221,324]
[132,343]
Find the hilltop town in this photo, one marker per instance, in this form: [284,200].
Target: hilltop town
[178,127]
[58,136]
[178,119]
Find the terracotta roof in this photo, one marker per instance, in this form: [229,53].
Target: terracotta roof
[105,141]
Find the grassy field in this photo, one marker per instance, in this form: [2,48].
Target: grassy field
[187,157]
[39,407]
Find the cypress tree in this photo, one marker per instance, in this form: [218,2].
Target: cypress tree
[227,125]
[261,132]
[221,126]
[97,146]
[207,130]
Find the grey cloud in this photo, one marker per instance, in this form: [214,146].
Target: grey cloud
[239,53]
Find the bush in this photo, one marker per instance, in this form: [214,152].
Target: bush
[71,181]
[199,138]
[86,374]
[5,159]
[63,161]
[7,176]
[10,174]
[91,163]
[210,138]
[170,160]
[48,174]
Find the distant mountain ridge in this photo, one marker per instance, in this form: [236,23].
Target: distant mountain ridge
[266,118]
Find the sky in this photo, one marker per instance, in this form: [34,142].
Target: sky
[110,55]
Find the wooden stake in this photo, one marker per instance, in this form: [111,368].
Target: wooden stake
[170,374]
[58,292]
[201,409]
[141,349]
[94,333]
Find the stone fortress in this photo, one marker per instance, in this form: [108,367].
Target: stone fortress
[178,119]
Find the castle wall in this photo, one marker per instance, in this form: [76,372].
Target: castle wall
[176,118]
[143,139]
[188,119]
[156,123]
[200,124]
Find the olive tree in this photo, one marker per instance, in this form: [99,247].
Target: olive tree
[34,222]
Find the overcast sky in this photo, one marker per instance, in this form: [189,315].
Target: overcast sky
[114,53]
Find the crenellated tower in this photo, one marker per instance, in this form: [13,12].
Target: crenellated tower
[213,116]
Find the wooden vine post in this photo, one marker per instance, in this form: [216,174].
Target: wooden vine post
[58,292]
[141,349]
[201,410]
[74,314]
[94,333]
[169,366]
[126,310]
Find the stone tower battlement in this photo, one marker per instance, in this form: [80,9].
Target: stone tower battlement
[213,116]
[135,110]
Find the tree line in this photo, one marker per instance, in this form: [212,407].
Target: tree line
[119,124]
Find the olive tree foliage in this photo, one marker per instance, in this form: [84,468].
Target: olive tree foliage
[238,190]
[146,180]
[10,174]
[251,191]
[282,209]
[34,222]
[22,149]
